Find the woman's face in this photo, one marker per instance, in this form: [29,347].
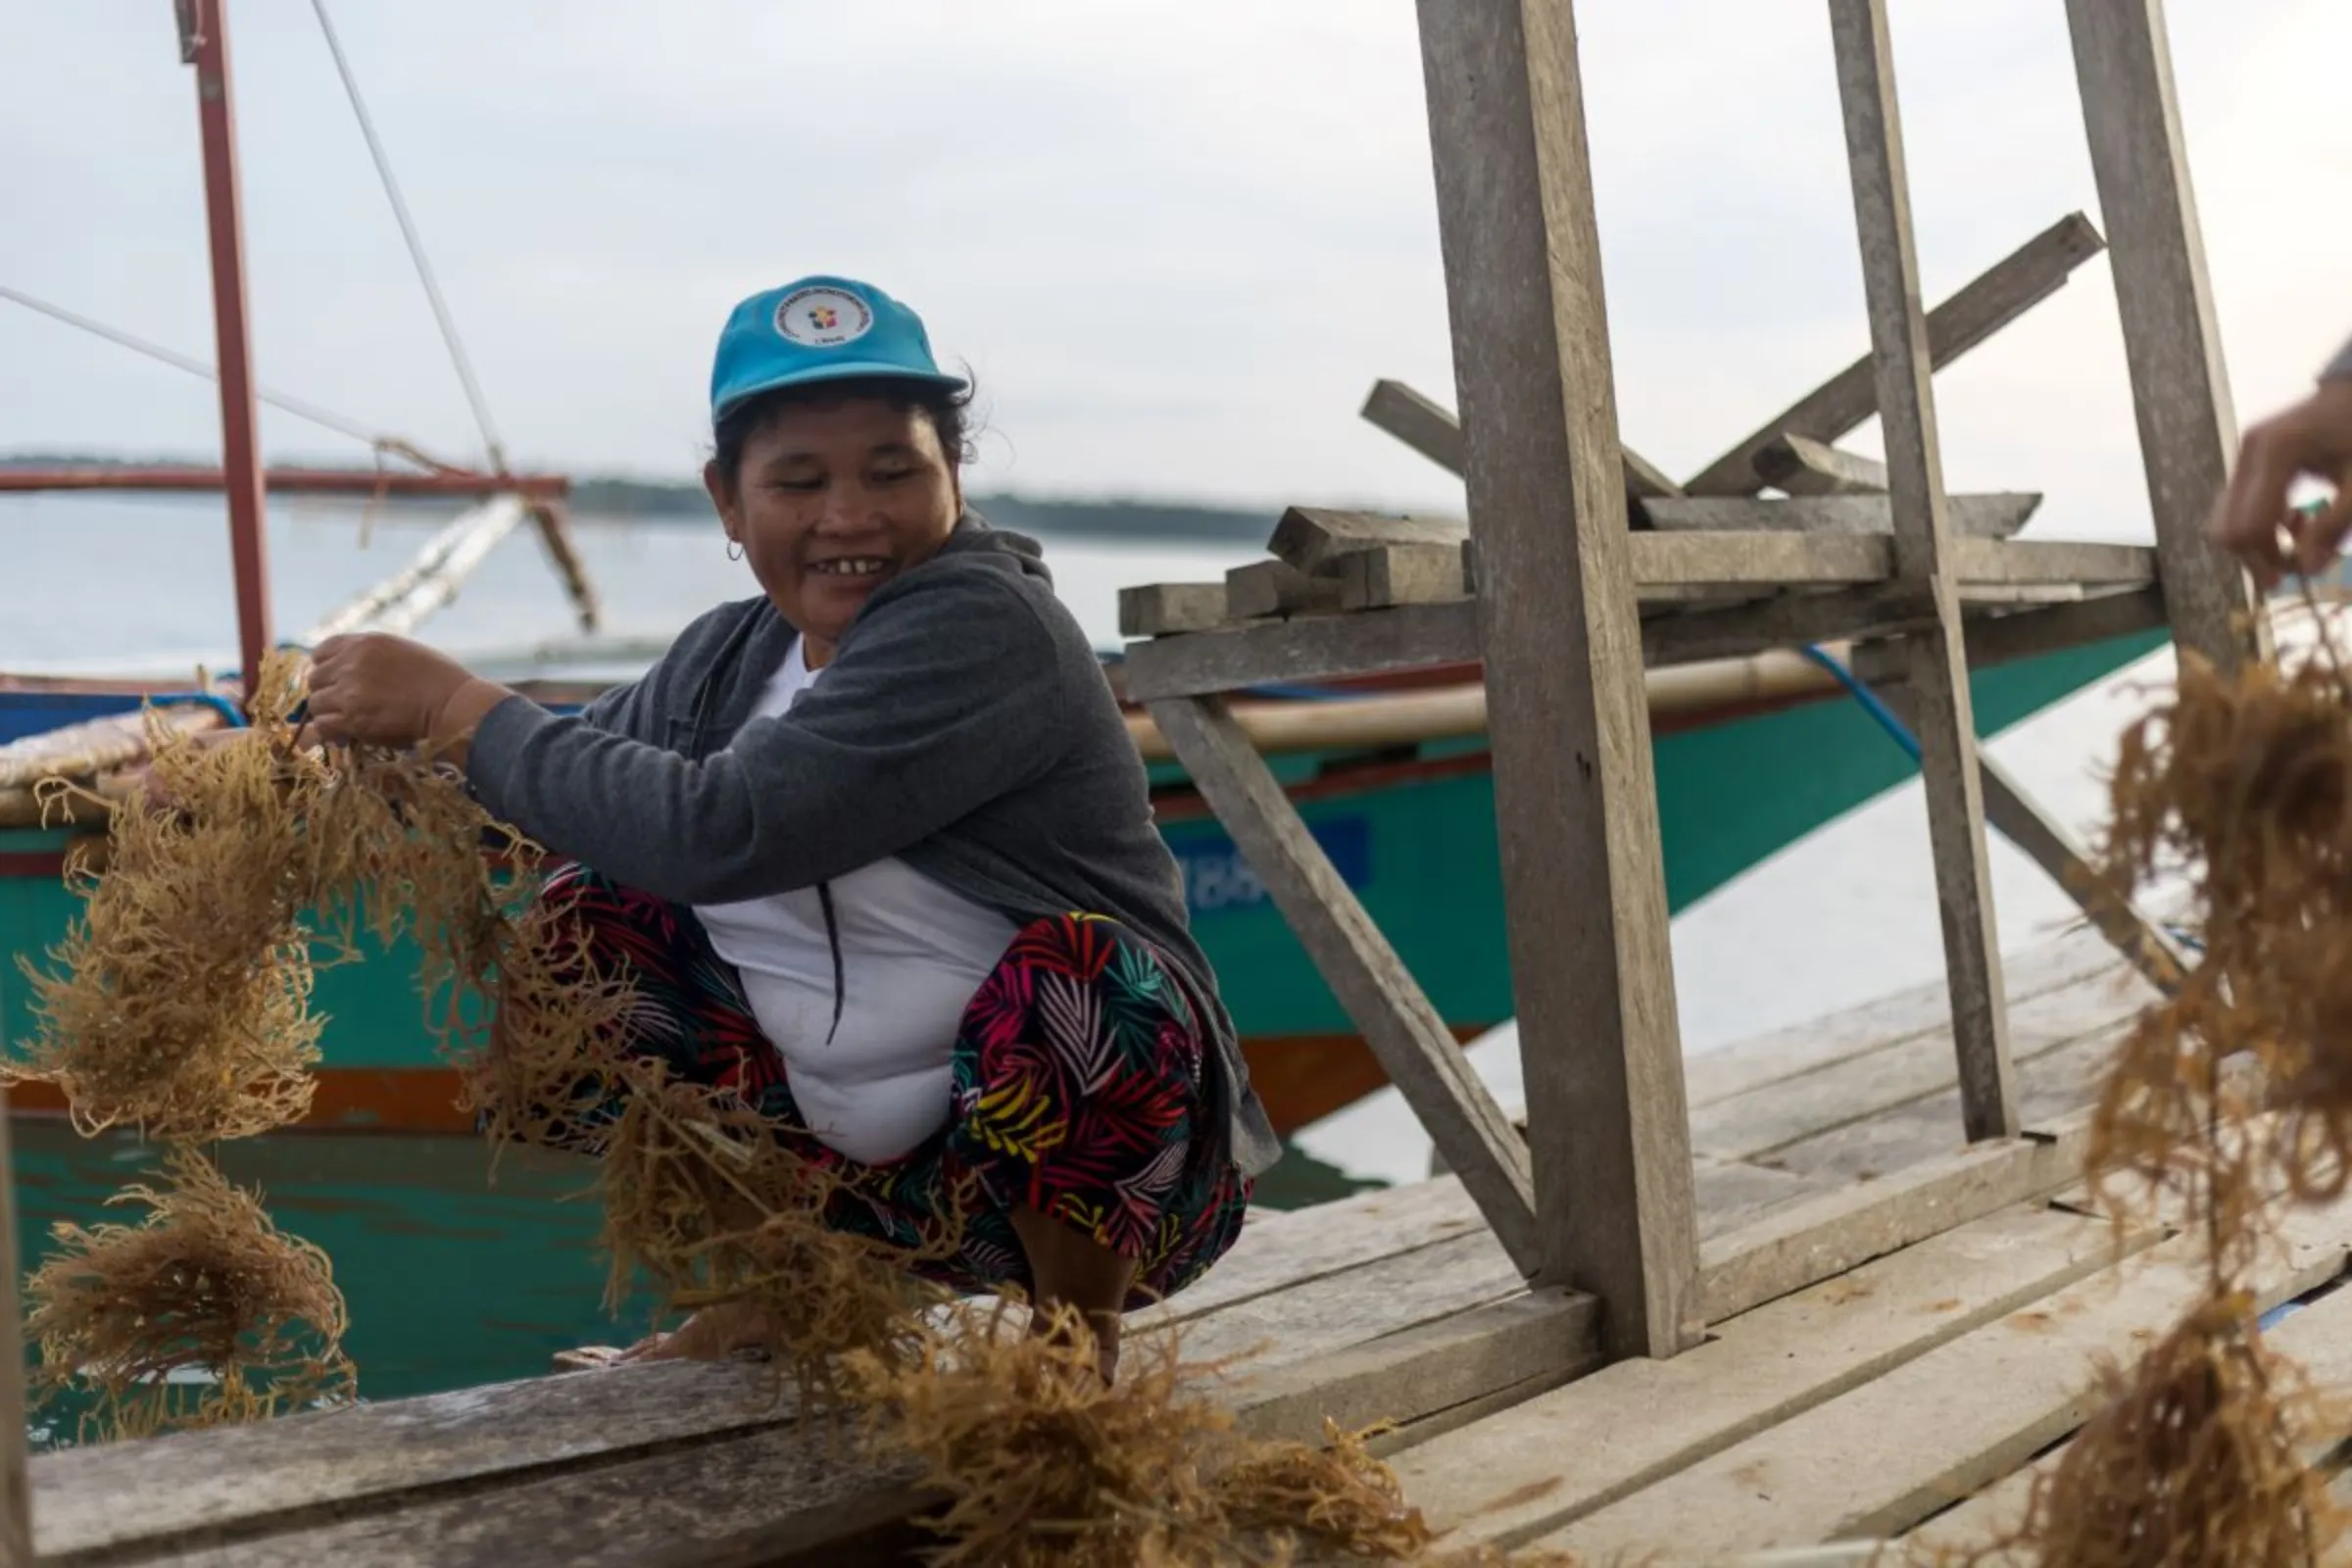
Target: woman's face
[830,501]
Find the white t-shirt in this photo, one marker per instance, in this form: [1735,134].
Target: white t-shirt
[912,953]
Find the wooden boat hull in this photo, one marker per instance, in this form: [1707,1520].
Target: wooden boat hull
[1411,829]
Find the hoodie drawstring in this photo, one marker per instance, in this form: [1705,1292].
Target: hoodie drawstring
[841,988]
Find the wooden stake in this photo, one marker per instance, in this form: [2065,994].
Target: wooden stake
[15,1485]
[2180,385]
[1575,793]
[1404,1031]
[1925,556]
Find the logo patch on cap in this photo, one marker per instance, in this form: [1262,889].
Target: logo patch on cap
[822,316]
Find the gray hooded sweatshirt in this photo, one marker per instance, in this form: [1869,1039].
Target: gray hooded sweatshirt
[964,725]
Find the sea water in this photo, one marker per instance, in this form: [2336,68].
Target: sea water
[457,1274]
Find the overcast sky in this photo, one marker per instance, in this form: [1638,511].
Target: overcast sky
[1177,242]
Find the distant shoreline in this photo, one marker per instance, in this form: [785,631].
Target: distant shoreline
[658,500]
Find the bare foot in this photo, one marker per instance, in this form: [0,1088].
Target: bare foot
[709,1334]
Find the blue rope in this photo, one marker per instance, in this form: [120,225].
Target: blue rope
[1910,744]
[1868,699]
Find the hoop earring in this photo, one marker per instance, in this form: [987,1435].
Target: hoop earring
[734,550]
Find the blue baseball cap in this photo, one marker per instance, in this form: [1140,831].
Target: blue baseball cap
[818,329]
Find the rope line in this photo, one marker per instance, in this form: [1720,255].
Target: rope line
[325,419]
[416,245]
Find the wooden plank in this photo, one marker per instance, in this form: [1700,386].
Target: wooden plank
[1419,636]
[2056,1083]
[1415,1048]
[1995,640]
[2172,342]
[1307,649]
[1164,609]
[1313,538]
[1785,621]
[1757,558]
[1945,725]
[2004,291]
[2058,560]
[1276,588]
[1783,1054]
[1420,422]
[1387,575]
[1804,467]
[1431,430]
[1429,1377]
[1285,1249]
[1818,1238]
[1566,1454]
[16,1489]
[1878,1459]
[1575,796]
[2316,1336]
[1981,516]
[1759,1124]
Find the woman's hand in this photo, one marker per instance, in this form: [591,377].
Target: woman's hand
[380,690]
[2312,438]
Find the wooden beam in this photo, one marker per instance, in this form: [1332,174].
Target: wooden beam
[1939,688]
[1415,1048]
[1276,588]
[1985,516]
[1994,640]
[1786,621]
[1388,575]
[1804,467]
[1576,799]
[16,1489]
[2006,290]
[1420,422]
[1421,636]
[1307,649]
[1812,1240]
[1735,542]
[2179,384]
[1165,608]
[1313,538]
[1431,430]
[1985,562]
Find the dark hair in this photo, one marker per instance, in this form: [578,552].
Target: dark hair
[944,407]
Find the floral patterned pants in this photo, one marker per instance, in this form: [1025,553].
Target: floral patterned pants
[1077,1091]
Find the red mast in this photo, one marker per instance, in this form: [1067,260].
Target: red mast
[203,44]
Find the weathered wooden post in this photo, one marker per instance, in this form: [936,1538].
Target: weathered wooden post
[1937,673]
[1575,793]
[16,1487]
[2171,343]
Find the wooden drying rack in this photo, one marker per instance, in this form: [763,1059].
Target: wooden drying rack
[1582,564]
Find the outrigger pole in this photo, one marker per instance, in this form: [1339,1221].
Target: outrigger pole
[203,44]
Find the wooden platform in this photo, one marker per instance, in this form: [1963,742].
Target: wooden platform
[1949,1352]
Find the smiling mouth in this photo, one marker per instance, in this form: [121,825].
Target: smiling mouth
[853,567]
